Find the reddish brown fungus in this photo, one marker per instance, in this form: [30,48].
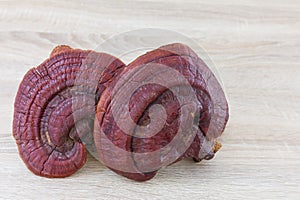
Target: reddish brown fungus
[210,120]
[57,102]
[55,108]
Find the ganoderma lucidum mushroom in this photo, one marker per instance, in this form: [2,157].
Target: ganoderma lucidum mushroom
[57,102]
[55,108]
[139,158]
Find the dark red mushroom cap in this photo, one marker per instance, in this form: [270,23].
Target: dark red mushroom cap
[55,108]
[207,121]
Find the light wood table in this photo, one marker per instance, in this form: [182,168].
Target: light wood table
[256,47]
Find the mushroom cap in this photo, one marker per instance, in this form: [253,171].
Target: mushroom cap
[55,107]
[198,121]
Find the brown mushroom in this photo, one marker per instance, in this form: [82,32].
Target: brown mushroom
[56,102]
[200,126]
[55,108]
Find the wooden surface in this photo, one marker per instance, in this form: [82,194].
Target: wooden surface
[256,47]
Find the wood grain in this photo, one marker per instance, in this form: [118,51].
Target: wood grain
[256,47]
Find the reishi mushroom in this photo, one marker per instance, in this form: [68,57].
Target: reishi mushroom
[210,116]
[81,97]
[55,108]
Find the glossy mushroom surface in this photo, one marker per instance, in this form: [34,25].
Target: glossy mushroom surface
[55,107]
[139,158]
